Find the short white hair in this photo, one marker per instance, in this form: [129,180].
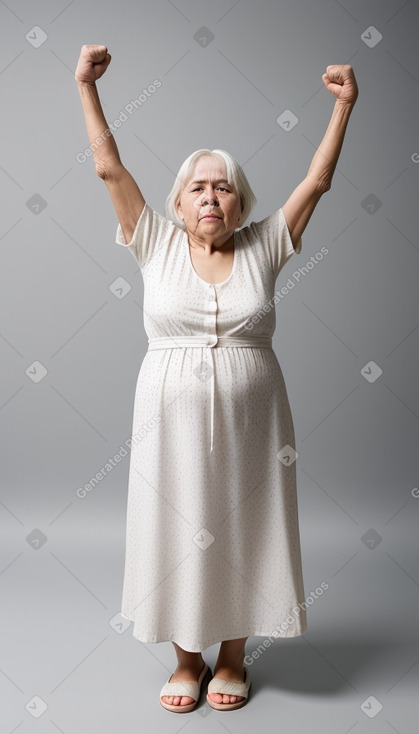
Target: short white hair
[235,176]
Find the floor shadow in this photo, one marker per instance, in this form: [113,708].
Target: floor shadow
[320,665]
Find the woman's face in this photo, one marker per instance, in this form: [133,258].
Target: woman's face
[208,192]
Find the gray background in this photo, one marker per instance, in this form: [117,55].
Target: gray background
[62,556]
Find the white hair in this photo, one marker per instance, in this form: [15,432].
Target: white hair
[235,176]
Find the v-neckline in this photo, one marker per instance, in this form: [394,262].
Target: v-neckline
[233,268]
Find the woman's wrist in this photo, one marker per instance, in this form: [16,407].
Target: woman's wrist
[85,84]
[340,103]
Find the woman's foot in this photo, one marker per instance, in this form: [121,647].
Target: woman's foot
[187,672]
[230,672]
[229,666]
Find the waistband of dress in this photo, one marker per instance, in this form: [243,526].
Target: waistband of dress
[182,341]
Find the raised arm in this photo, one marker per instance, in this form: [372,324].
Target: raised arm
[125,194]
[340,81]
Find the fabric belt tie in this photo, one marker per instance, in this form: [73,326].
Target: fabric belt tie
[183,341]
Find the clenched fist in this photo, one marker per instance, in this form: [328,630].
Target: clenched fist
[340,81]
[93,62]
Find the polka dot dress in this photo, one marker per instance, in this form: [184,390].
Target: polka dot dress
[212,535]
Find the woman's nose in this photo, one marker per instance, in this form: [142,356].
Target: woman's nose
[210,199]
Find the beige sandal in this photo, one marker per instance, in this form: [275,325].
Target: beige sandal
[231,688]
[192,689]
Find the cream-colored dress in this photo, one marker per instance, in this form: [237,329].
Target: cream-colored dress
[212,534]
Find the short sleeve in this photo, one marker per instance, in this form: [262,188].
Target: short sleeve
[151,232]
[274,236]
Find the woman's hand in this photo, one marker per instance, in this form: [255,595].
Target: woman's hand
[340,81]
[93,62]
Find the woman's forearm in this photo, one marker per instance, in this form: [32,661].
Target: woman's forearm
[101,140]
[324,161]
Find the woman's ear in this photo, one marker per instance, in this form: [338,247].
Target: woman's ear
[179,209]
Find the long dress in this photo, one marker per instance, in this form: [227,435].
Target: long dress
[212,534]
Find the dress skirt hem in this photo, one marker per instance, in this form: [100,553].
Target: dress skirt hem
[297,628]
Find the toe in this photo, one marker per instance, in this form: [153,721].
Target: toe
[216,697]
[177,700]
[229,699]
[234,699]
[224,698]
[186,700]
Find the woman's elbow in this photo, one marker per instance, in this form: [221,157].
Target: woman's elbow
[324,184]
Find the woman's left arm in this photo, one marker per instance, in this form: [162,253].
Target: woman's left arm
[340,81]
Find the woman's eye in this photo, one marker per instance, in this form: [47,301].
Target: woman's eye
[220,187]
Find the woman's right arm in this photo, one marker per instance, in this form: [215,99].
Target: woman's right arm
[125,194]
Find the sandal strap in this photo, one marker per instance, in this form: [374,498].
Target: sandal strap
[231,688]
[178,688]
[184,688]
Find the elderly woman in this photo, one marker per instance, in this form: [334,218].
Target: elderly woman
[212,544]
